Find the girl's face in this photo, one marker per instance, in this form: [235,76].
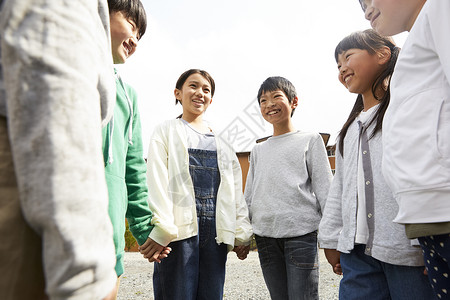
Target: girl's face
[124,37]
[358,69]
[275,107]
[390,17]
[195,95]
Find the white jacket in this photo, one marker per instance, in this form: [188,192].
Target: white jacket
[416,128]
[171,192]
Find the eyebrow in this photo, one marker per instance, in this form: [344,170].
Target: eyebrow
[342,55]
[198,83]
[271,93]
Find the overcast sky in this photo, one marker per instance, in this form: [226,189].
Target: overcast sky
[241,43]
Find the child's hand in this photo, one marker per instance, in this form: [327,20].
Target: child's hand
[112,295]
[241,251]
[333,257]
[153,251]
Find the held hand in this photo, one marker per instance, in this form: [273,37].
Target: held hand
[153,251]
[333,257]
[241,251]
[112,295]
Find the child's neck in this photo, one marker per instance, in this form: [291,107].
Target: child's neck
[196,122]
[282,128]
[369,101]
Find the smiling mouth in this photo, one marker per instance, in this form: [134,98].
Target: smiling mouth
[127,48]
[347,78]
[273,112]
[198,102]
[373,19]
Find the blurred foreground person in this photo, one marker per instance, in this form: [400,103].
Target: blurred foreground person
[56,89]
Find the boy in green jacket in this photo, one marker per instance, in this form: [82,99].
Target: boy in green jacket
[125,166]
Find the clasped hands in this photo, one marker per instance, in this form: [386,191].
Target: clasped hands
[241,251]
[153,251]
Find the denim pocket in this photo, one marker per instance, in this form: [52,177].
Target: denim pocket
[302,251]
[264,250]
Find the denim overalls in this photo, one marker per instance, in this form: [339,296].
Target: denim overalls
[195,269]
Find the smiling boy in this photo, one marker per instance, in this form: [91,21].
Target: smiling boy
[286,190]
[125,167]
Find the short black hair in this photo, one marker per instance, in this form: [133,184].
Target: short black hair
[132,9]
[276,83]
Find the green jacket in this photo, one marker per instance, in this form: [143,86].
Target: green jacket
[125,171]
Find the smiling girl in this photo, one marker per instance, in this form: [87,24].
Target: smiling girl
[360,240]
[195,187]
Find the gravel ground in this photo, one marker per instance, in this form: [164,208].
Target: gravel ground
[243,280]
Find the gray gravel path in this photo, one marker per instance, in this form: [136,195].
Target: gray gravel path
[243,280]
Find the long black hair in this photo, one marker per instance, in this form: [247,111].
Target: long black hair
[371,41]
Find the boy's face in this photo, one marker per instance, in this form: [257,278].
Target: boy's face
[275,107]
[390,17]
[124,37]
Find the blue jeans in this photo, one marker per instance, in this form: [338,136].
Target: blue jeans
[436,253]
[195,269]
[365,277]
[290,266]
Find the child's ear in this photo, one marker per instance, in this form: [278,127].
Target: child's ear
[294,102]
[177,93]
[384,55]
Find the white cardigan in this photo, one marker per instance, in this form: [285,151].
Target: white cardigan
[171,191]
[387,242]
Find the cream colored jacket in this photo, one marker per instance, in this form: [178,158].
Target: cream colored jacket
[171,191]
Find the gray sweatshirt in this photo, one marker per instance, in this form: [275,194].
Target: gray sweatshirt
[287,184]
[58,77]
[387,240]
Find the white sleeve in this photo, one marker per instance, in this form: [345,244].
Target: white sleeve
[439,22]
[244,231]
[159,199]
